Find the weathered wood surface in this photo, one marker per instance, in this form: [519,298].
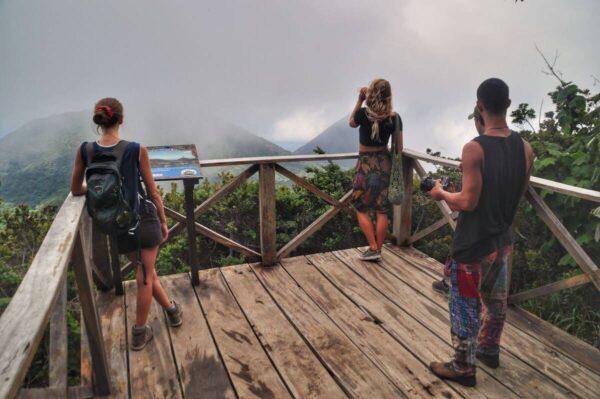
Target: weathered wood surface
[561,369]
[396,320]
[387,354]
[351,369]
[248,365]
[200,366]
[313,227]
[537,328]
[308,186]
[571,282]
[76,392]
[564,237]
[57,351]
[37,293]
[115,264]
[114,329]
[266,205]
[427,230]
[213,235]
[208,163]
[298,366]
[152,371]
[515,374]
[89,310]
[404,231]
[188,191]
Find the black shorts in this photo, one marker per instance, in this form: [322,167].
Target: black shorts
[150,234]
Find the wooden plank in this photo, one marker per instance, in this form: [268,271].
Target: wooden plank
[249,367]
[57,353]
[190,219]
[427,230]
[530,324]
[85,364]
[304,375]
[387,354]
[97,249]
[200,366]
[115,264]
[208,163]
[113,320]
[20,336]
[399,323]
[571,282]
[308,186]
[554,337]
[443,205]
[213,235]
[550,185]
[313,227]
[514,374]
[557,367]
[563,236]
[267,215]
[406,206]
[518,376]
[152,370]
[351,369]
[89,311]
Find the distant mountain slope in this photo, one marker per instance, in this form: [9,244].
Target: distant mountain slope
[337,138]
[36,159]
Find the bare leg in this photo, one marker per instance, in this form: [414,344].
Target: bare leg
[364,221]
[382,226]
[152,288]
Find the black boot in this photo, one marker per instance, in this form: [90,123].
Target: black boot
[492,361]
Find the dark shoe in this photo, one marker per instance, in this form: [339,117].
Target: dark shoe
[174,315]
[492,361]
[371,254]
[447,371]
[140,336]
[441,286]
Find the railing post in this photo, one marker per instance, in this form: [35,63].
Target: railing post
[266,197]
[188,187]
[101,256]
[85,289]
[115,265]
[405,214]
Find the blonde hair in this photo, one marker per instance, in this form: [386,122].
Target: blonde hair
[378,104]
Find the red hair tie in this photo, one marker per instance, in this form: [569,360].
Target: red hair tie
[108,110]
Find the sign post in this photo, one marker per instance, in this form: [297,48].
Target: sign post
[180,162]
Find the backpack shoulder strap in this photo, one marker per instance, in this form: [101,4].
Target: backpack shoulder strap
[87,151]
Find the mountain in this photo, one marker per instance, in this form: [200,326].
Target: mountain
[337,138]
[36,159]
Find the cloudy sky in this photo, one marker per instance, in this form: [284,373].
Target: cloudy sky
[287,69]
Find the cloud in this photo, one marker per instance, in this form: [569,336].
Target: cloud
[300,126]
[285,69]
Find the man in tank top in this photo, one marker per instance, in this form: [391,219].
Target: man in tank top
[496,168]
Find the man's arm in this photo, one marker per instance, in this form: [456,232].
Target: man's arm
[472,180]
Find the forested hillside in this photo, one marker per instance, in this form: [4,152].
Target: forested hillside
[36,159]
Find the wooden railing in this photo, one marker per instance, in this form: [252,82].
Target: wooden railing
[72,241]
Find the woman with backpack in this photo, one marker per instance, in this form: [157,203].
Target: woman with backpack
[377,122]
[138,221]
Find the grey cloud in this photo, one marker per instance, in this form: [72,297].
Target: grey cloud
[255,63]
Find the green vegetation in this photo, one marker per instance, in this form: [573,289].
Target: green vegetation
[567,145]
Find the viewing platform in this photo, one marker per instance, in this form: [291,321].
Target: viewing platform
[323,325]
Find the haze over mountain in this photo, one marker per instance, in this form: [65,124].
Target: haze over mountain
[337,138]
[36,159]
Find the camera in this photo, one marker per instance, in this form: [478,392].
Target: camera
[428,183]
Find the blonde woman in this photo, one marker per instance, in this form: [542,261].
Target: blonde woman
[372,178]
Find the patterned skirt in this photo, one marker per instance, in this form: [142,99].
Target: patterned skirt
[371,181]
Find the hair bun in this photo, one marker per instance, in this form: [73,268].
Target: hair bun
[108,112]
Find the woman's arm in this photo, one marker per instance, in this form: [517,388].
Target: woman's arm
[78,186]
[361,98]
[153,192]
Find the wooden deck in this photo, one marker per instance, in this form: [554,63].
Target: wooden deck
[328,325]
